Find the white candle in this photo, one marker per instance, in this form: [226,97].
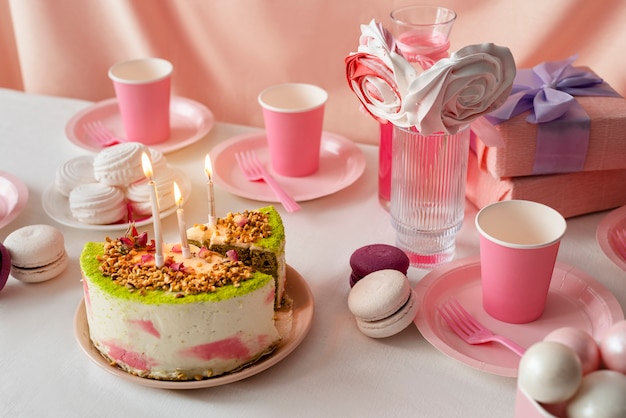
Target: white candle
[182,227]
[156,213]
[208,169]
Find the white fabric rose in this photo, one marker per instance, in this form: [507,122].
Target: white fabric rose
[452,93]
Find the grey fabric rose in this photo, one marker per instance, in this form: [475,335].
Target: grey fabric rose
[474,81]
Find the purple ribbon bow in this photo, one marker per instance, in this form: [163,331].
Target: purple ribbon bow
[547,91]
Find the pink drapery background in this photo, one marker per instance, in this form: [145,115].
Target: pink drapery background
[225,52]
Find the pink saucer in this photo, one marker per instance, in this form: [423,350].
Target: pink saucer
[574,299]
[190,121]
[341,164]
[13,197]
[605,234]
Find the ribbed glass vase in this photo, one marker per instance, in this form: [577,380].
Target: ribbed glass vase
[429,173]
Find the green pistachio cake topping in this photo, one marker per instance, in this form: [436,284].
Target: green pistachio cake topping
[121,271]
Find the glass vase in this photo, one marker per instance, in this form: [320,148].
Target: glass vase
[422,32]
[429,173]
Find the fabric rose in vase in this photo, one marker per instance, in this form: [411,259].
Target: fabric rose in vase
[431,112]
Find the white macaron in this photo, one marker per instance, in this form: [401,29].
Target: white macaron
[37,253]
[383,303]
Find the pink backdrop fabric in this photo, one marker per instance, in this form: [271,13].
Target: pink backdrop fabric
[225,52]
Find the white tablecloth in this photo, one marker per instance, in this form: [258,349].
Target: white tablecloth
[336,371]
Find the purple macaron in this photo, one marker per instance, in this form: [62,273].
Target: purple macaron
[375,257]
[5,265]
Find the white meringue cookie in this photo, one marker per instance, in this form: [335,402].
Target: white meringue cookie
[157,159]
[97,204]
[73,173]
[120,165]
[138,193]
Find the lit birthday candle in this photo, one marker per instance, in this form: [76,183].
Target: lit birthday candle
[156,218]
[208,169]
[182,227]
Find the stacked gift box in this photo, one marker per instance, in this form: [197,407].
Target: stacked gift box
[574,162]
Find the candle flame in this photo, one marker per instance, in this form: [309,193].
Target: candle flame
[146,165]
[178,197]
[208,167]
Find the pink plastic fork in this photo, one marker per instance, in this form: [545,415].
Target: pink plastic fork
[254,171]
[470,330]
[100,134]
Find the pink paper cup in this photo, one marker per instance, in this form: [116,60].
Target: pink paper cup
[142,87]
[294,116]
[519,242]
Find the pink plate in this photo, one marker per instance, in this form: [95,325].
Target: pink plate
[302,318]
[13,197]
[605,235]
[575,299]
[190,121]
[341,164]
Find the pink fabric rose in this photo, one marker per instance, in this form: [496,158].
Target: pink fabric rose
[474,81]
[373,83]
[379,75]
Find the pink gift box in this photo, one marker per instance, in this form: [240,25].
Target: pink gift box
[606,148]
[571,194]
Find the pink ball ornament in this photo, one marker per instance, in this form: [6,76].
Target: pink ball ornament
[613,347]
[581,342]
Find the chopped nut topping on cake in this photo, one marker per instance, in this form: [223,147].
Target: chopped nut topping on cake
[245,227]
[133,268]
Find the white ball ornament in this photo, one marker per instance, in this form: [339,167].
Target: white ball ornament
[602,394]
[550,372]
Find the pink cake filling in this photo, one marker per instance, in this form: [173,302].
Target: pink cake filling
[133,359]
[147,326]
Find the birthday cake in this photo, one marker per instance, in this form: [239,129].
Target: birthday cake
[193,318]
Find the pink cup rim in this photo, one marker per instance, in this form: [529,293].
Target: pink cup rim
[549,215]
[318,98]
[163,68]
